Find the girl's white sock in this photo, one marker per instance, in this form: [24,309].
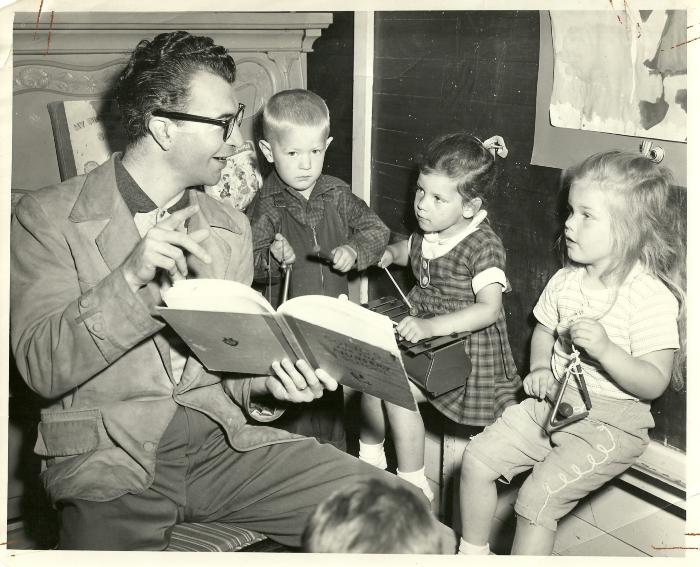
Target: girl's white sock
[418,479]
[373,454]
[466,548]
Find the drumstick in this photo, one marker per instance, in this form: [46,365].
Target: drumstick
[322,254]
[405,299]
[287,269]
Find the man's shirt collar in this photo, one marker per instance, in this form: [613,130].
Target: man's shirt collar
[136,199]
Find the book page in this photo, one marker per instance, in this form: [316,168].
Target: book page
[344,317]
[358,350]
[216,295]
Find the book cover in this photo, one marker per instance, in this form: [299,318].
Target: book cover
[232,328]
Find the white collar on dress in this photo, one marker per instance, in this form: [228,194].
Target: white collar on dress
[433,246]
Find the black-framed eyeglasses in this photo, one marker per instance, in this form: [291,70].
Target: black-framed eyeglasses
[226,123]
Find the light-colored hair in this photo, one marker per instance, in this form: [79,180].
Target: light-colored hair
[372,516]
[294,107]
[462,157]
[647,224]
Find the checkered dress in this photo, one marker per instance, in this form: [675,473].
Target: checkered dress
[444,286]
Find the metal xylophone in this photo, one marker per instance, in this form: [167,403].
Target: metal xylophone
[436,364]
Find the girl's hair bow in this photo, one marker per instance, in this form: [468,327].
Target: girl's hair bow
[496,145]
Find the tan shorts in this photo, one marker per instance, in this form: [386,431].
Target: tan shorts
[570,463]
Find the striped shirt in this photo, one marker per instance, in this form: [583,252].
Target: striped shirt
[639,317]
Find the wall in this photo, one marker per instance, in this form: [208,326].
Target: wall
[330,75]
[437,72]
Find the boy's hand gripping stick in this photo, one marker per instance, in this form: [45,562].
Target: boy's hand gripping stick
[562,414]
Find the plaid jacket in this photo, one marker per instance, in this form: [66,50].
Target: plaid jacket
[364,230]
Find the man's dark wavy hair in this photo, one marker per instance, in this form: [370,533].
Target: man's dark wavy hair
[158,76]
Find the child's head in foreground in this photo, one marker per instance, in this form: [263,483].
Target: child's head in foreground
[456,173]
[296,125]
[373,516]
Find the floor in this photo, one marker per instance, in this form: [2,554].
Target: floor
[619,520]
[615,521]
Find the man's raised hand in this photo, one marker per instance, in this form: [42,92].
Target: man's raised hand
[163,247]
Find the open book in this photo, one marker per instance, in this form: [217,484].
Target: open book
[232,328]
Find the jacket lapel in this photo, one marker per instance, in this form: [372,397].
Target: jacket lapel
[209,217]
[101,211]
[100,202]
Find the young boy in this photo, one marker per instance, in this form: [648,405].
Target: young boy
[308,221]
[301,211]
[372,516]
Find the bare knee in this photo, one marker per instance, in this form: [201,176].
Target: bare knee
[474,470]
[369,401]
[404,420]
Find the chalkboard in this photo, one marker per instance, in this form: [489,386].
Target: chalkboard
[670,410]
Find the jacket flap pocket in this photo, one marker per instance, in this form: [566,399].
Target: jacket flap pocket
[68,433]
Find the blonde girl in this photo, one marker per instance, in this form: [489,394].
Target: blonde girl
[459,265]
[613,310]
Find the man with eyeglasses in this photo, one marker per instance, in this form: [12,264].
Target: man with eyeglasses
[137,436]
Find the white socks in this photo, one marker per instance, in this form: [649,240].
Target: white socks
[418,479]
[466,548]
[373,454]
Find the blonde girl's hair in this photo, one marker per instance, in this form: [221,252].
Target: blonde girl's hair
[294,107]
[463,157]
[648,225]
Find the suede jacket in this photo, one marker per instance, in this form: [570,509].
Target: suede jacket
[83,340]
